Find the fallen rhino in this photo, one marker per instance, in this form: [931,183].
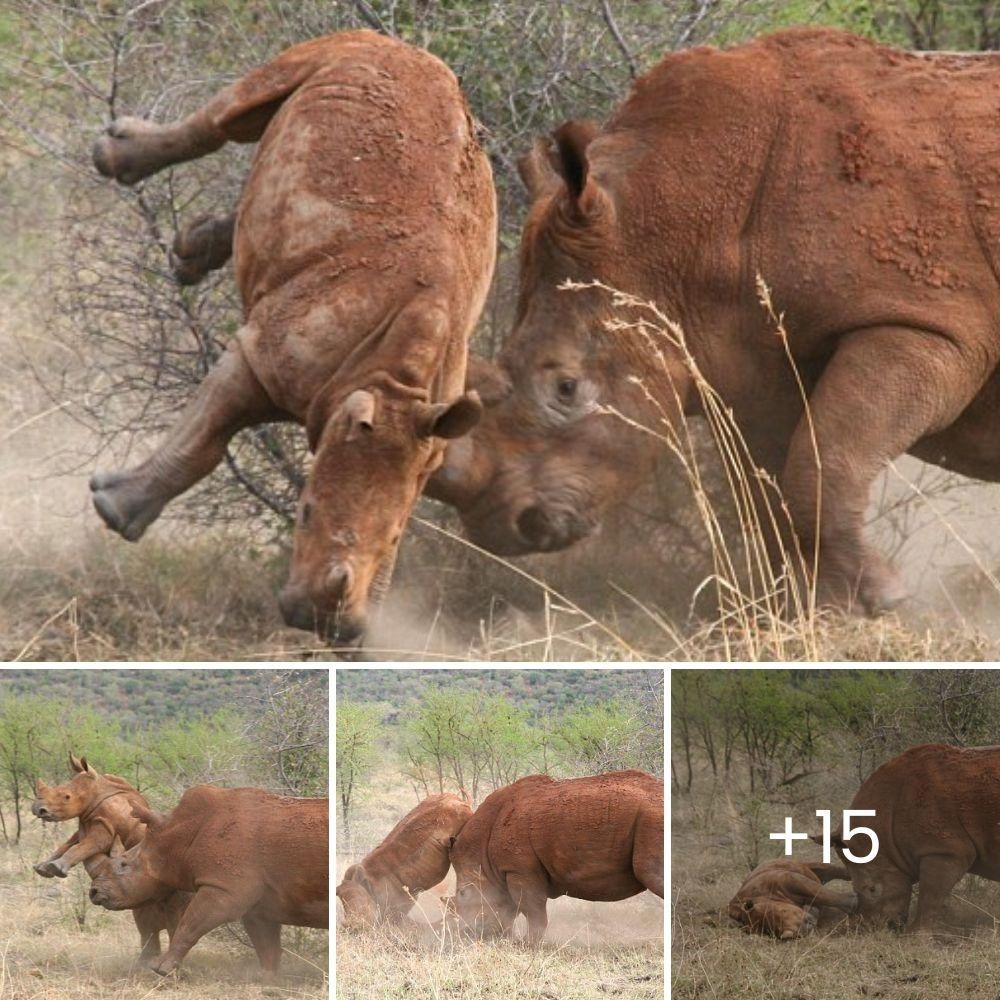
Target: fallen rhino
[102,804]
[597,838]
[246,854]
[411,859]
[860,182]
[937,818]
[783,898]
[364,246]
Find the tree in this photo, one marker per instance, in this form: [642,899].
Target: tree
[593,739]
[291,732]
[466,740]
[357,731]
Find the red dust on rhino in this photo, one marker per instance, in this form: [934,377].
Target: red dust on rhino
[102,804]
[598,838]
[245,853]
[861,183]
[364,246]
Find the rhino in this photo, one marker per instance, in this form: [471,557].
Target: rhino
[412,858]
[782,897]
[102,804]
[245,853]
[937,818]
[364,244]
[597,838]
[861,183]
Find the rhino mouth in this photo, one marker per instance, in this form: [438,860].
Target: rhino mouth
[43,814]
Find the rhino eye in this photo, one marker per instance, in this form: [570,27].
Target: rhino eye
[566,387]
[306,514]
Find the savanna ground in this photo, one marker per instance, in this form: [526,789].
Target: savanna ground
[591,950]
[719,832]
[55,943]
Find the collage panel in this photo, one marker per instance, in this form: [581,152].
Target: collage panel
[164,823]
[499,832]
[835,832]
[422,330]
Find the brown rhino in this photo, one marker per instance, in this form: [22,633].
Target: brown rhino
[102,805]
[782,897]
[364,246]
[245,853]
[937,817]
[861,183]
[597,838]
[410,860]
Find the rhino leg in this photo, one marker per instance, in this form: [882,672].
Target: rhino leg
[229,399]
[846,901]
[532,902]
[133,148]
[938,876]
[647,854]
[265,936]
[205,245]
[884,389]
[210,908]
[148,922]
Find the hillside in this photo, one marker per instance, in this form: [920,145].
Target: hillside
[144,698]
[540,692]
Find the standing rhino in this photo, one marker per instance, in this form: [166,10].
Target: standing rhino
[412,858]
[937,817]
[364,246]
[246,855]
[102,804]
[862,183]
[782,897]
[597,838]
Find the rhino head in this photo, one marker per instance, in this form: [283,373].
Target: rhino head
[553,453]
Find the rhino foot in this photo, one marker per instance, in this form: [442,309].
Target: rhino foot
[49,869]
[203,246]
[122,505]
[128,152]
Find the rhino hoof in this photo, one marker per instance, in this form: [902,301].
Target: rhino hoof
[127,515]
[200,248]
[46,869]
[118,154]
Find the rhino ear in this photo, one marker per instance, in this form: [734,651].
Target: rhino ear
[146,815]
[117,847]
[536,171]
[449,420]
[88,769]
[76,764]
[572,139]
[488,379]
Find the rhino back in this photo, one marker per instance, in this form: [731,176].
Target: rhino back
[415,851]
[278,847]
[935,797]
[575,836]
[367,189]
[870,168]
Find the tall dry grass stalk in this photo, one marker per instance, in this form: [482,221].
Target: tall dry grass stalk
[762,581]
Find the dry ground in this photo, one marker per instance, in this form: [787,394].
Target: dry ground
[591,950]
[714,836]
[55,944]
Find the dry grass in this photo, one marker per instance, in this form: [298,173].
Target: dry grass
[591,950]
[71,591]
[55,944]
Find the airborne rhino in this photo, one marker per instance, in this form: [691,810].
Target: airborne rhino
[364,246]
